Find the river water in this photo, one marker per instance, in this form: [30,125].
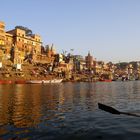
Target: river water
[69,111]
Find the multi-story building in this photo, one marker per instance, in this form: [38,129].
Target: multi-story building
[6,41]
[26,43]
[17,40]
[21,45]
[2,33]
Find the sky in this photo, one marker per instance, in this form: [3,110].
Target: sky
[109,29]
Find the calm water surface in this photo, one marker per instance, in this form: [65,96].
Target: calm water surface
[69,111]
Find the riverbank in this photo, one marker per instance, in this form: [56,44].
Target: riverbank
[30,71]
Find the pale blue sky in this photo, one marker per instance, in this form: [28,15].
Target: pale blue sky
[109,29]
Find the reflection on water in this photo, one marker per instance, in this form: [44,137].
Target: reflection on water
[68,111]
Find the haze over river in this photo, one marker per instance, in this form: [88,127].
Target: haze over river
[69,111]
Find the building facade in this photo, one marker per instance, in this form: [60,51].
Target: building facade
[26,43]
[2,33]
[16,44]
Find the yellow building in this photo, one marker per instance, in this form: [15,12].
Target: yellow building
[6,41]
[2,33]
[26,43]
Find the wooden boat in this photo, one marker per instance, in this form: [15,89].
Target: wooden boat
[56,80]
[6,82]
[20,82]
[108,80]
[44,81]
[34,82]
[105,80]
[52,81]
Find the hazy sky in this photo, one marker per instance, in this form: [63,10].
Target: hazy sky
[109,29]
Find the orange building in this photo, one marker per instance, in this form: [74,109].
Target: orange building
[6,41]
[17,39]
[26,43]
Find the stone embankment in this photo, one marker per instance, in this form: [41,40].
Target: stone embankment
[28,72]
[40,72]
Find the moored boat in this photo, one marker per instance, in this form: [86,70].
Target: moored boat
[43,81]
[20,82]
[56,80]
[6,82]
[52,81]
[105,80]
[34,82]
[108,80]
[46,81]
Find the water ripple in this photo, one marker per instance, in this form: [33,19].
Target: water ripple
[69,111]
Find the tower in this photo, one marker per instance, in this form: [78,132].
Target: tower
[89,61]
